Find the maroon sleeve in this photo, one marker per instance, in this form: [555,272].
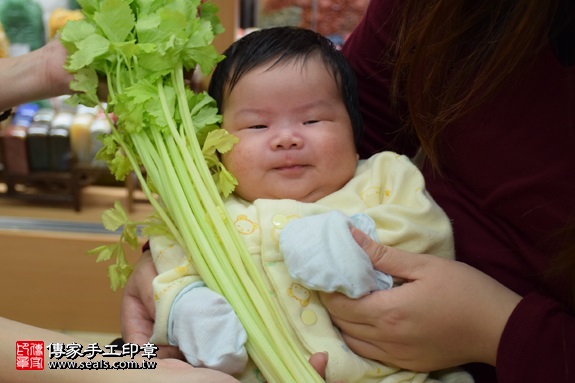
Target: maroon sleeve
[366,49]
[538,343]
[503,216]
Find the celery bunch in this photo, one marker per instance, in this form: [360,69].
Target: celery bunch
[142,48]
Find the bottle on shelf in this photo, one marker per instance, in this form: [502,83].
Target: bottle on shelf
[14,139]
[80,137]
[38,140]
[60,150]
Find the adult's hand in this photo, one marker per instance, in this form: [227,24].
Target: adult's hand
[446,313]
[54,55]
[319,362]
[137,312]
[36,75]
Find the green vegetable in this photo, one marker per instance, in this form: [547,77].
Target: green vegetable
[143,48]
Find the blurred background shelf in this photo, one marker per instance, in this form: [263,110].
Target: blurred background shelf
[52,187]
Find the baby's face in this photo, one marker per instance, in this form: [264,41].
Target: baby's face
[295,136]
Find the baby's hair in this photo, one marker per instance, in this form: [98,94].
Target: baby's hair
[284,45]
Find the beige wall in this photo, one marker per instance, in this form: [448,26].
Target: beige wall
[49,281]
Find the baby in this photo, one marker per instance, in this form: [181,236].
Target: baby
[291,98]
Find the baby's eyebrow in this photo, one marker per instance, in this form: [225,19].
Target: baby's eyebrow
[315,105]
[257,111]
[261,112]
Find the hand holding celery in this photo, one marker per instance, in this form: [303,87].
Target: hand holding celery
[142,47]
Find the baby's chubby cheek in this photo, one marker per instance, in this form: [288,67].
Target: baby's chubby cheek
[239,163]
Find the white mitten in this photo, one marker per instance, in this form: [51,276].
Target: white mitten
[207,330]
[321,254]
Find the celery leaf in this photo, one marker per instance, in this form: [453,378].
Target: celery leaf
[115,19]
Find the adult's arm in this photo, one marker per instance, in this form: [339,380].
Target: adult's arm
[538,343]
[167,370]
[36,75]
[448,313]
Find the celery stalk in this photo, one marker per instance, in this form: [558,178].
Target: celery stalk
[143,48]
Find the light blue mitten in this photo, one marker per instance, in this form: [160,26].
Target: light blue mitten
[207,330]
[321,254]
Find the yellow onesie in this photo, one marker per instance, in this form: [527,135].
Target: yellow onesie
[389,189]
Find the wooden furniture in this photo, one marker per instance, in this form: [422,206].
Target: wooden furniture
[63,187]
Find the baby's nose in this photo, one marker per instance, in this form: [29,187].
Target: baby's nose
[287,138]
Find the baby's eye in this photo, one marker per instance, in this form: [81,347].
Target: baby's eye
[311,122]
[257,127]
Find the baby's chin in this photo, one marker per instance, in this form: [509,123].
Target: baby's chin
[301,196]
